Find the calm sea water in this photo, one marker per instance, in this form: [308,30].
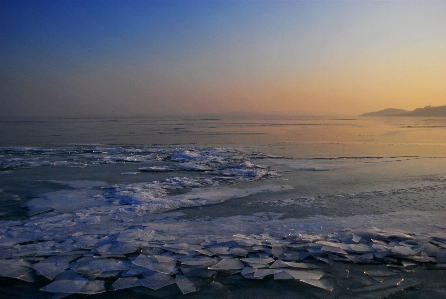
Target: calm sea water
[217,206]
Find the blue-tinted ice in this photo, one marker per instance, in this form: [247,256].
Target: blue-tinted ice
[129,233]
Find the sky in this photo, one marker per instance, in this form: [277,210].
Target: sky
[122,58]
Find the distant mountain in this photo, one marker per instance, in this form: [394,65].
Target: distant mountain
[429,111]
[387,112]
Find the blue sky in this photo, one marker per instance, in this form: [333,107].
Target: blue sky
[93,58]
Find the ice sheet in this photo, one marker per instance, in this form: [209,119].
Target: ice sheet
[228,264]
[14,268]
[185,285]
[126,282]
[50,270]
[157,281]
[75,287]
[154,264]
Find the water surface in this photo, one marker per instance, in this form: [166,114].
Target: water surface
[218,206]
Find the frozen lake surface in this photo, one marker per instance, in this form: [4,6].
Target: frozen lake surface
[228,208]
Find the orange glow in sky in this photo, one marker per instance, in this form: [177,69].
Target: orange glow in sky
[64,58]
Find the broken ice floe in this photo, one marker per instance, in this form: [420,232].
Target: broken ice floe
[141,198]
[75,287]
[157,281]
[50,270]
[224,162]
[218,166]
[185,285]
[126,283]
[18,269]
[156,263]
[228,264]
[158,260]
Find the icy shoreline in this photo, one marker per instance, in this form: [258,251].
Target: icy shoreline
[167,249]
[90,236]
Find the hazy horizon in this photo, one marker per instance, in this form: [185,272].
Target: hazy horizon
[190,115]
[303,58]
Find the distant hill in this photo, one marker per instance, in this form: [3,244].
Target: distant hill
[387,112]
[439,111]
